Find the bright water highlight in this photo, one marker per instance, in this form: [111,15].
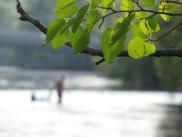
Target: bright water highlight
[90,114]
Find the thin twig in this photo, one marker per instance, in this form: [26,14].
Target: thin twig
[138,4]
[172,1]
[100,61]
[172,29]
[144,10]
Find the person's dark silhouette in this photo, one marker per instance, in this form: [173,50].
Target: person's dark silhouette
[59,88]
[33,98]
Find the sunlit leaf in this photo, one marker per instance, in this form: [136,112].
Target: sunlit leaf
[165,7]
[107,3]
[136,31]
[149,3]
[144,27]
[149,25]
[127,5]
[138,48]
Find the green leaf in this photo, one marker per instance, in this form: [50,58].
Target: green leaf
[53,29]
[93,17]
[60,40]
[107,3]
[127,5]
[80,40]
[138,48]
[153,24]
[144,27]
[118,47]
[165,7]
[136,31]
[58,33]
[94,3]
[121,29]
[149,48]
[65,26]
[111,51]
[149,25]
[141,15]
[65,8]
[81,13]
[63,4]
[105,44]
[149,3]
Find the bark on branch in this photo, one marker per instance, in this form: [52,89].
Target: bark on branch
[24,16]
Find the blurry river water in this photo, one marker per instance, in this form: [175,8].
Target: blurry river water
[84,113]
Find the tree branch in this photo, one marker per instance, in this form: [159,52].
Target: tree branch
[24,16]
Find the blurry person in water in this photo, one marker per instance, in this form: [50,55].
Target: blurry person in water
[60,88]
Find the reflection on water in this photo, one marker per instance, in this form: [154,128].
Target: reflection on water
[89,114]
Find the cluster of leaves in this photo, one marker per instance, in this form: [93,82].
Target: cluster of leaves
[76,20]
